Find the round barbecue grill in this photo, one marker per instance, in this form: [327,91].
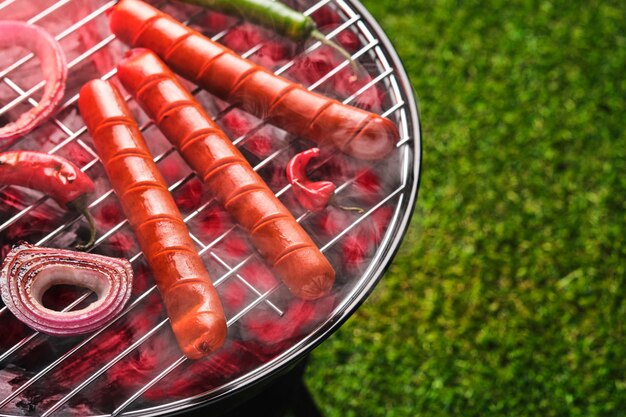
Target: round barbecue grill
[132,366]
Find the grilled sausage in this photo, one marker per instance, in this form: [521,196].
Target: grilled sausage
[225,74]
[192,303]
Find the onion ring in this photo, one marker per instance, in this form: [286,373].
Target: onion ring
[29,271]
[54,68]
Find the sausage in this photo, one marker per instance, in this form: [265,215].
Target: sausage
[191,301]
[273,230]
[225,74]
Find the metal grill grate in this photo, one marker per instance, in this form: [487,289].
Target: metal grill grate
[386,72]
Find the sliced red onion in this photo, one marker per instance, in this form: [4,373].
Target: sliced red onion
[53,65]
[29,271]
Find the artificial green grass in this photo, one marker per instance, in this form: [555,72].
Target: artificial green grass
[507,297]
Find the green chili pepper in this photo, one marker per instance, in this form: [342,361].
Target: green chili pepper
[273,15]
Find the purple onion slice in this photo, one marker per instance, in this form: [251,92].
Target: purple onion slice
[53,66]
[29,271]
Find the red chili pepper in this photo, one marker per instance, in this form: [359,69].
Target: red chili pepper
[312,195]
[52,175]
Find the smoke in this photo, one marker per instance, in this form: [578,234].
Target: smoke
[266,320]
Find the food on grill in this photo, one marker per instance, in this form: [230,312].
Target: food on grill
[228,76]
[273,230]
[29,271]
[53,175]
[276,16]
[53,66]
[312,195]
[192,303]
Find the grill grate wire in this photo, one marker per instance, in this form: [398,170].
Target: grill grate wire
[398,110]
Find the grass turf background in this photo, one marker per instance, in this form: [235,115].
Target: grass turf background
[507,296]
